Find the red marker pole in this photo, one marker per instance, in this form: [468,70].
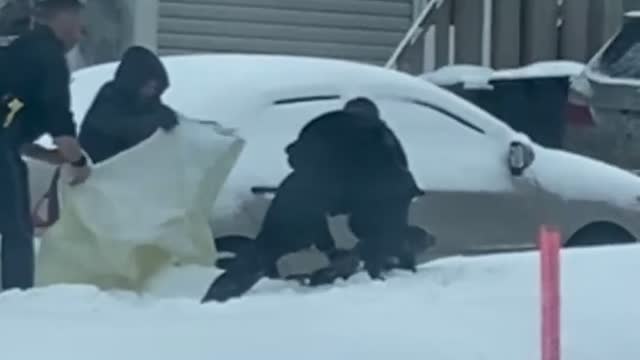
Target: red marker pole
[549,243]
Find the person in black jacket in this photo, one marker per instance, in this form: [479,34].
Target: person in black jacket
[382,190]
[345,162]
[128,109]
[35,100]
[371,179]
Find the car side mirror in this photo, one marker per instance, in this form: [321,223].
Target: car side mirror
[521,156]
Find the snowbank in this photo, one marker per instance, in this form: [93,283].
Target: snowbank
[456,309]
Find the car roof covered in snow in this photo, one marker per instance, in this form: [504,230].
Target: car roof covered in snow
[231,88]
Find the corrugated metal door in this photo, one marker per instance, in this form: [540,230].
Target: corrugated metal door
[362,30]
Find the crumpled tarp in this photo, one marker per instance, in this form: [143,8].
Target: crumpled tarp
[140,211]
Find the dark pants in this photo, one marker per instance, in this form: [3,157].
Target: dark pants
[16,230]
[379,217]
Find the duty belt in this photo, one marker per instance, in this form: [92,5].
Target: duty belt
[11,106]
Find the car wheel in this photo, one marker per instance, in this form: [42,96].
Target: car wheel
[601,234]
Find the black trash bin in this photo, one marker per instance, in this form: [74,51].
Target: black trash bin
[535,106]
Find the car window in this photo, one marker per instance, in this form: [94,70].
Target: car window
[450,115]
[621,57]
[263,161]
[440,148]
[420,120]
[444,152]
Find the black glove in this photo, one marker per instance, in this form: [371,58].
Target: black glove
[167,118]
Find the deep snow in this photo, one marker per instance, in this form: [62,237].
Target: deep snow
[454,309]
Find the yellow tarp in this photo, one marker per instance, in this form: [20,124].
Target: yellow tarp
[141,210]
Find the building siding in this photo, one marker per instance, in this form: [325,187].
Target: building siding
[361,30]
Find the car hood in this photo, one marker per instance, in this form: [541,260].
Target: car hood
[575,177]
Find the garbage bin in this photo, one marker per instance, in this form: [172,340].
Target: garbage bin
[534,105]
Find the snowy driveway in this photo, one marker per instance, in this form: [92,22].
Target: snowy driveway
[455,309]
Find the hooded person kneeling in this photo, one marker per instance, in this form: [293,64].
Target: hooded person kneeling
[128,109]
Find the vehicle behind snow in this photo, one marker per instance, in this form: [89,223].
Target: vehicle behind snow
[608,92]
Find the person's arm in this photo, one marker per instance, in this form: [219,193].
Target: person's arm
[35,151]
[165,117]
[70,150]
[56,99]
[108,118]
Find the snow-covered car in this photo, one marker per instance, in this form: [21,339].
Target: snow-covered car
[488,188]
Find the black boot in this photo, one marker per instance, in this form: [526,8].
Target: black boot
[416,241]
[344,263]
[231,284]
[241,275]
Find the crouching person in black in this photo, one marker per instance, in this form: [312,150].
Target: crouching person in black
[377,187]
[345,162]
[128,109]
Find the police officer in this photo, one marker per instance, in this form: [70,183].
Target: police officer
[35,100]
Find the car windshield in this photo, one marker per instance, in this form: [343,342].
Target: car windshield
[621,58]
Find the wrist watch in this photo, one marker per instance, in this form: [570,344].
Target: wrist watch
[82,162]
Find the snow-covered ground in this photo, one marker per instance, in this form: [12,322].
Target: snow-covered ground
[454,309]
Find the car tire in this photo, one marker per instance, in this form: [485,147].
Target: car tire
[601,234]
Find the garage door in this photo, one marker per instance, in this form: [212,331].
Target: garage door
[361,30]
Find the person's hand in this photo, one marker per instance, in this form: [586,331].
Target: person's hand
[50,156]
[167,118]
[69,147]
[79,174]
[53,157]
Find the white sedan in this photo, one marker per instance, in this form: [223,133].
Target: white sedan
[488,187]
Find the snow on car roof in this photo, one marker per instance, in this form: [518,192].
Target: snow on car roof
[252,78]
[230,87]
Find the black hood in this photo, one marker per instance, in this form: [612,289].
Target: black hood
[138,66]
